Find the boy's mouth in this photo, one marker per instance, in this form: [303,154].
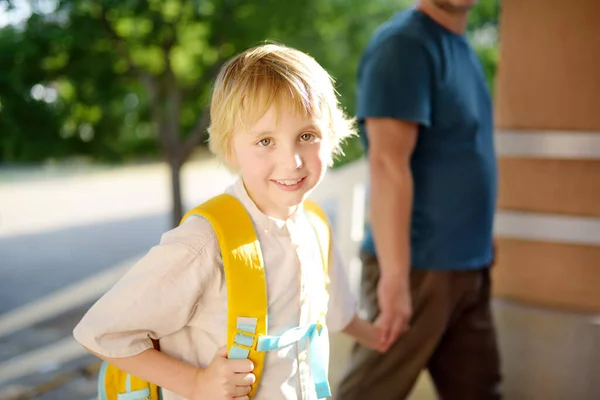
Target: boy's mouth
[289,184]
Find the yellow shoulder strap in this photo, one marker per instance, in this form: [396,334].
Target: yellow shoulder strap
[244,273]
[320,224]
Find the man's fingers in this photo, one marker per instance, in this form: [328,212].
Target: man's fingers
[397,329]
[384,324]
[389,339]
[390,329]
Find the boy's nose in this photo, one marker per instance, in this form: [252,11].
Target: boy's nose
[292,160]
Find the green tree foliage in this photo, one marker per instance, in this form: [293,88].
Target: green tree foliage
[483,32]
[127,79]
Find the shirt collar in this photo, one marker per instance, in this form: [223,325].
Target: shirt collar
[260,219]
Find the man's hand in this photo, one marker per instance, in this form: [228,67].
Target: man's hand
[395,309]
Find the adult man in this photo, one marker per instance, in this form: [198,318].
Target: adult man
[425,115]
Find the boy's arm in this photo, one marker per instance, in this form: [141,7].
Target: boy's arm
[155,298]
[160,369]
[365,333]
[342,307]
[342,314]
[222,379]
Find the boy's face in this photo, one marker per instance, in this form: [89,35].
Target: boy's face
[281,159]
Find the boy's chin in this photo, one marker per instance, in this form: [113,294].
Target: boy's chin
[293,199]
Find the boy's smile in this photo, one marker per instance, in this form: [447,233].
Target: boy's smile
[289,184]
[281,159]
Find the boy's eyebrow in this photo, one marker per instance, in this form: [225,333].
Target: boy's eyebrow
[261,134]
[310,126]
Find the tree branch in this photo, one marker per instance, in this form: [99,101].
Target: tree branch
[154,98]
[170,135]
[196,134]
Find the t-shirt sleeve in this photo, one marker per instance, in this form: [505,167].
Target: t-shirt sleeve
[156,297]
[342,305]
[395,81]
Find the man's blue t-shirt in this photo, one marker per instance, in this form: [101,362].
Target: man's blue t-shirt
[416,70]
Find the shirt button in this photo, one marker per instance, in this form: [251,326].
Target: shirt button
[302,357]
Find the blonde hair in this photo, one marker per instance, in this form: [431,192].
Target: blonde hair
[272,74]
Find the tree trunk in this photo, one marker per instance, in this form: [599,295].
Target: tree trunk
[177,214]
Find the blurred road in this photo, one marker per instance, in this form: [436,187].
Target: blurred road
[65,236]
[60,230]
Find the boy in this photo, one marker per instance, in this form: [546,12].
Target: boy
[276,121]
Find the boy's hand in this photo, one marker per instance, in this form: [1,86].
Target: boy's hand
[370,337]
[224,378]
[365,333]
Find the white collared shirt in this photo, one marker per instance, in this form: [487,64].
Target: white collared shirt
[177,293]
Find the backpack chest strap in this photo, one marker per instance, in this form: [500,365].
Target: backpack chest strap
[246,339]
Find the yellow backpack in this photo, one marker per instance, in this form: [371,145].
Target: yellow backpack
[247,302]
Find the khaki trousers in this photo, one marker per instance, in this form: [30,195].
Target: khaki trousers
[452,335]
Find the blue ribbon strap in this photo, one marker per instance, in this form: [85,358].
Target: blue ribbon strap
[317,363]
[316,334]
[291,336]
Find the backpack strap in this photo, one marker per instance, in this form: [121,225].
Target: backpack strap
[320,223]
[317,344]
[244,273]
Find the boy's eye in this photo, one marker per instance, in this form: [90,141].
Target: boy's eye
[264,142]
[307,137]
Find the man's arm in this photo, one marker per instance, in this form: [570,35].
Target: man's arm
[391,143]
